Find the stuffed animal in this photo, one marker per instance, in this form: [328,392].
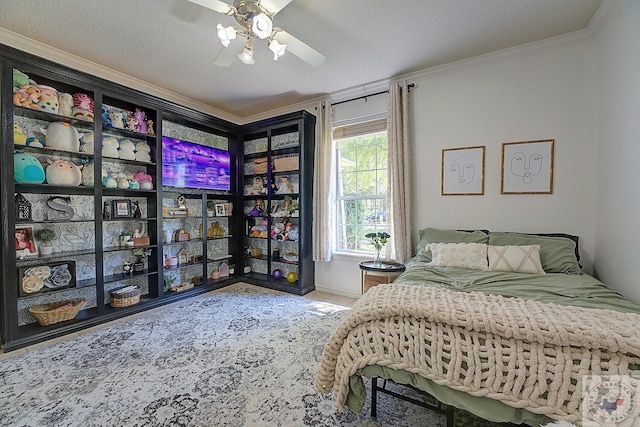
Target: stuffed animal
[63,172]
[150,130]
[127,149]
[28,169]
[82,107]
[106,121]
[132,123]
[141,116]
[19,138]
[34,141]
[87,142]
[145,180]
[62,136]
[19,78]
[123,182]
[109,179]
[110,147]
[66,104]
[143,152]
[48,100]
[27,96]
[87,175]
[116,119]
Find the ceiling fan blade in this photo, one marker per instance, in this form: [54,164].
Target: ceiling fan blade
[300,48]
[274,6]
[229,54]
[217,5]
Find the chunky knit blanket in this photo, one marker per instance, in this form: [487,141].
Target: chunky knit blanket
[525,354]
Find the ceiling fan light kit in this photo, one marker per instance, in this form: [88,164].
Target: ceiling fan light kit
[256,22]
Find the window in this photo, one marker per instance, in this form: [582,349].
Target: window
[361,196]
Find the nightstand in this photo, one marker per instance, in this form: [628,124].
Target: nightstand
[372,274]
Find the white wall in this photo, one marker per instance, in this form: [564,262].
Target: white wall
[542,94]
[617,173]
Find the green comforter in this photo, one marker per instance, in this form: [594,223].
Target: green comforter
[567,289]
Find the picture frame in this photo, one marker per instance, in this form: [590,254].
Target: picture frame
[26,245]
[121,209]
[462,171]
[50,277]
[224,209]
[527,167]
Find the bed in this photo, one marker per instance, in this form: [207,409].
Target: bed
[503,325]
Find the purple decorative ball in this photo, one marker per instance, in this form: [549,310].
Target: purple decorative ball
[277,273]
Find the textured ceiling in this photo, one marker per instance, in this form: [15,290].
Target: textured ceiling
[172,43]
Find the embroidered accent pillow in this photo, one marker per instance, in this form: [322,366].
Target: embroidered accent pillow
[517,259]
[464,255]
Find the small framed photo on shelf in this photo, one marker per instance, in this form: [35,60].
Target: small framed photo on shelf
[46,277]
[121,209]
[224,209]
[25,243]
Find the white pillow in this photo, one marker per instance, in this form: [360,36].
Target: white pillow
[464,255]
[517,259]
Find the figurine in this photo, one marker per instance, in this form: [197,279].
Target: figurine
[258,209]
[257,187]
[285,186]
[140,117]
[106,210]
[136,212]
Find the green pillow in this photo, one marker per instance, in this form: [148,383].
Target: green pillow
[557,254]
[434,235]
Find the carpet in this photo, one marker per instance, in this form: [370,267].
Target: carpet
[241,356]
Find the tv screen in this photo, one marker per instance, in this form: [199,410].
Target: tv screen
[189,165]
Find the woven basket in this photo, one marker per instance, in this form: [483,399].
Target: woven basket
[259,165]
[54,312]
[283,164]
[125,299]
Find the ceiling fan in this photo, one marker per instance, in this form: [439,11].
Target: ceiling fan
[256,22]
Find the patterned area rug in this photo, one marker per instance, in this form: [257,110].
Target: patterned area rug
[241,356]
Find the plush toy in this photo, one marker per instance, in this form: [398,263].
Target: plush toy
[62,136]
[116,119]
[63,172]
[87,175]
[145,180]
[19,138]
[106,121]
[110,147]
[132,123]
[141,117]
[150,130]
[134,184]
[27,96]
[27,168]
[19,78]
[127,149]
[86,145]
[48,100]
[82,107]
[66,104]
[34,141]
[143,152]
[109,180]
[123,182]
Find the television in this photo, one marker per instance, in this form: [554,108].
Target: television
[189,165]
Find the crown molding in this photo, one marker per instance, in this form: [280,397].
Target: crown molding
[59,56]
[602,16]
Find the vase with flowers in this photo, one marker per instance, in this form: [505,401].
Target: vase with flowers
[378,240]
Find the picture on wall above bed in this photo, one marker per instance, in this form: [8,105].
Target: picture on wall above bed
[527,167]
[462,171]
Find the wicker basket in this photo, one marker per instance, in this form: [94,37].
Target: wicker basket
[283,164]
[54,312]
[259,165]
[125,299]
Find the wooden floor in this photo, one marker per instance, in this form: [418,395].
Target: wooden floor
[314,295]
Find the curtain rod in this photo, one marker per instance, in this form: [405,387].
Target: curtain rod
[409,86]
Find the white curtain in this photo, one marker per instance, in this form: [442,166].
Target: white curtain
[324,184]
[398,185]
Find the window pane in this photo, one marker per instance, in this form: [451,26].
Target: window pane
[361,192]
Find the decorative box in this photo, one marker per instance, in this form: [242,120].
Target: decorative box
[141,241]
[182,236]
